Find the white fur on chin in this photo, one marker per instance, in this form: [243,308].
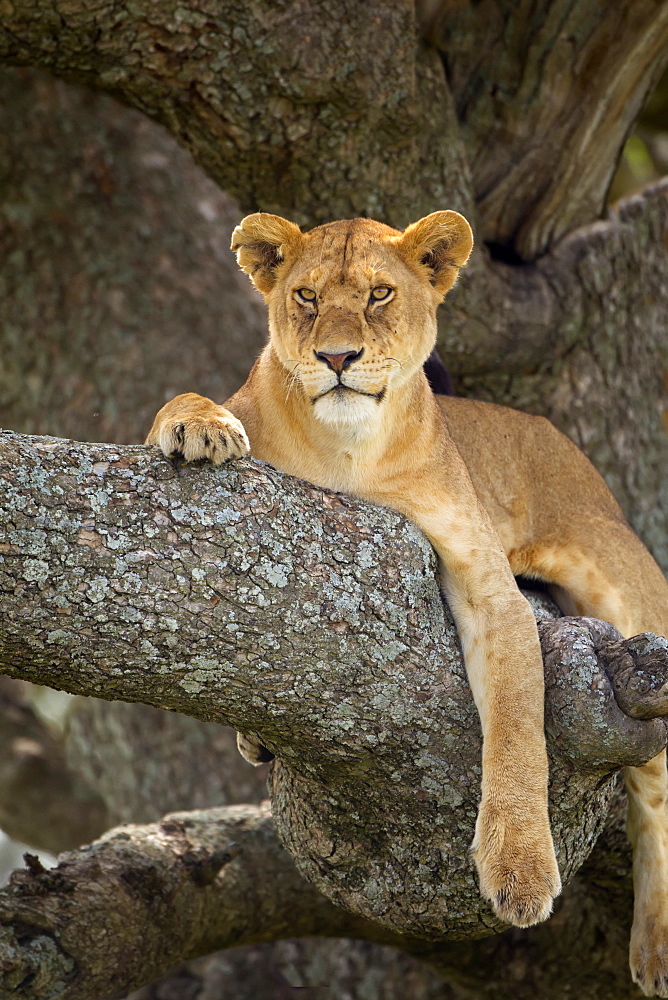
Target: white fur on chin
[350,410]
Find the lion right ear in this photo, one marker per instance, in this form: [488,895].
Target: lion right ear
[440,243]
[262,242]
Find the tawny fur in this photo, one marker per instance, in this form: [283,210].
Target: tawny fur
[338,397]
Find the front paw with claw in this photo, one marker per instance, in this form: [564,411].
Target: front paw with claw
[517,867]
[198,429]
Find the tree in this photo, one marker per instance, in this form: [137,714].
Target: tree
[524,142]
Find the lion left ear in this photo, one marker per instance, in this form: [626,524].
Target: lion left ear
[441,243]
[262,242]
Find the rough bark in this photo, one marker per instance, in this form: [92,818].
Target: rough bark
[118,286]
[545,121]
[120,912]
[314,622]
[199,69]
[220,877]
[114,763]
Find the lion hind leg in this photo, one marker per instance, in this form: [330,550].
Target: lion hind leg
[647,828]
[631,594]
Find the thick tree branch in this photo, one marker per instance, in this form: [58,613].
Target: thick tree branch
[197,71]
[318,122]
[117,914]
[313,621]
[219,878]
[550,117]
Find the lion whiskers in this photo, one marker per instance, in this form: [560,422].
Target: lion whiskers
[293,377]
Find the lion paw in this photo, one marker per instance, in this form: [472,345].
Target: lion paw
[517,869]
[648,957]
[252,750]
[215,437]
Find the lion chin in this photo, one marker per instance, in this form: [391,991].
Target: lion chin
[346,408]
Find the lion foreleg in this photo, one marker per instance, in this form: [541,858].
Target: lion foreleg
[512,847]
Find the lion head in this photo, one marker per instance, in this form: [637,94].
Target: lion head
[352,304]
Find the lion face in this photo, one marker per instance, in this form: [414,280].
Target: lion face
[352,305]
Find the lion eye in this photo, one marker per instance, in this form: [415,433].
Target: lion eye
[380,293]
[306,295]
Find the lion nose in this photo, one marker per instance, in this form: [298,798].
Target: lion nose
[339,362]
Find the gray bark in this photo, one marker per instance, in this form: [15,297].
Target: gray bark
[198,69]
[551,336]
[117,283]
[313,622]
[193,883]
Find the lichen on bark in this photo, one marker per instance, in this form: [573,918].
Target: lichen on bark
[313,622]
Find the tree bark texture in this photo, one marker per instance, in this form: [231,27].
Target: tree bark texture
[206,879]
[271,99]
[313,622]
[198,69]
[117,283]
[118,913]
[544,122]
[576,333]
[512,114]
[219,877]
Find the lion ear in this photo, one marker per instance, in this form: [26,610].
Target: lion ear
[441,243]
[262,242]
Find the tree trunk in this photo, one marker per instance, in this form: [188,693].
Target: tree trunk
[118,286]
[316,113]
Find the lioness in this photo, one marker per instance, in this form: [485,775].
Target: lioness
[338,397]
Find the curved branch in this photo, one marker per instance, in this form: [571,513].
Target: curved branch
[544,123]
[312,621]
[316,123]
